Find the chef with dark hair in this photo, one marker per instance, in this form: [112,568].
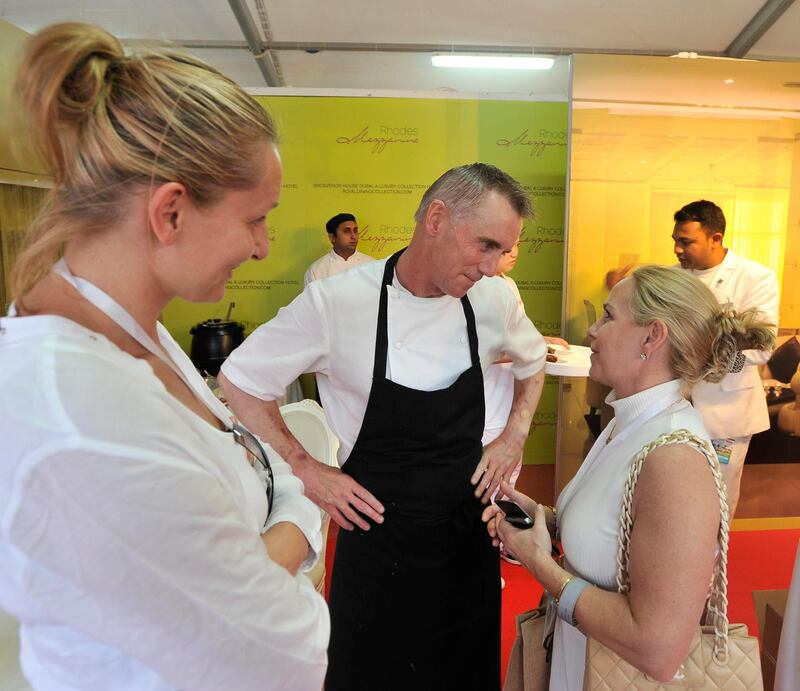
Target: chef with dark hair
[343,234]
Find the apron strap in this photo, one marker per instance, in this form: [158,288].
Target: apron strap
[472,332]
[381,334]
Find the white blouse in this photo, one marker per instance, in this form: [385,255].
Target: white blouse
[588,507]
[130,545]
[330,329]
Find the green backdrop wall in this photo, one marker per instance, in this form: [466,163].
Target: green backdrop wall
[374,157]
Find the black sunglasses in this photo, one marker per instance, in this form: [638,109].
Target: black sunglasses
[244,437]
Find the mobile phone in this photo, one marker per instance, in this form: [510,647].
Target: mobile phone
[515,515]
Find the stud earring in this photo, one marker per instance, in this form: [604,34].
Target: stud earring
[643,356]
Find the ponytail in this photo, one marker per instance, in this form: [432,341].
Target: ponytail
[733,333]
[109,125]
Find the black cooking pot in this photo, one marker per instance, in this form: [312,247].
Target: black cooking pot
[212,341]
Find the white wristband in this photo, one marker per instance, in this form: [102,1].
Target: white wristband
[569,598]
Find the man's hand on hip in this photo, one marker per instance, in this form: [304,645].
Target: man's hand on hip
[340,495]
[328,487]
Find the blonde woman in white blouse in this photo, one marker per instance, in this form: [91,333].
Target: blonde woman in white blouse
[660,332]
[147,540]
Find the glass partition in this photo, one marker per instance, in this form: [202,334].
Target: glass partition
[632,166]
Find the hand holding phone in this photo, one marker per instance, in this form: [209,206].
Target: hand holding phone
[515,514]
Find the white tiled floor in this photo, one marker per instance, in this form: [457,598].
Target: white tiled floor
[11,678]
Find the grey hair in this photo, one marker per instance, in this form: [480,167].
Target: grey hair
[463,188]
[704,337]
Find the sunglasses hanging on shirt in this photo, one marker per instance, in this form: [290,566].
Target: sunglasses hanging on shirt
[258,457]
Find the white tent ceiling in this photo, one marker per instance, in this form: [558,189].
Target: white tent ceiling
[381,44]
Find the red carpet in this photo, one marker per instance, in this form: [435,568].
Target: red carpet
[757,560]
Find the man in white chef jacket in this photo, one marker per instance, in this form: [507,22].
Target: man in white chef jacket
[400,347]
[735,408]
[343,235]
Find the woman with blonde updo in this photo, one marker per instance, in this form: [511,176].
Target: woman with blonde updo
[148,540]
[661,331]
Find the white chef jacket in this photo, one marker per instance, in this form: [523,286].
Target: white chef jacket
[736,406]
[331,264]
[130,545]
[330,329]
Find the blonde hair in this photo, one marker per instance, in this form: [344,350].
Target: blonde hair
[109,125]
[704,337]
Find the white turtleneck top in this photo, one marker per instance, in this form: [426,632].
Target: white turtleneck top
[589,506]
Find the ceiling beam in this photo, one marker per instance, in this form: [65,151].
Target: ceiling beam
[257,47]
[351,47]
[757,27]
[318,47]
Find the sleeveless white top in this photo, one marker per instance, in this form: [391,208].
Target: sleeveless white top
[588,507]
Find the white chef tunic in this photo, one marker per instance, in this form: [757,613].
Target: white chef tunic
[736,407]
[130,545]
[330,329]
[331,264]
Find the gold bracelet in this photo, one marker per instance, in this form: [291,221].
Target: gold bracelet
[561,589]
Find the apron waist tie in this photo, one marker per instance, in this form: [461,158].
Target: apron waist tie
[463,517]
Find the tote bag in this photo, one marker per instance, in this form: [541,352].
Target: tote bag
[721,656]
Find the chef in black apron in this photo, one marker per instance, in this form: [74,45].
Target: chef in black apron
[415,595]
[415,601]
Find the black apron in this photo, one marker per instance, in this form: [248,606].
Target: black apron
[415,601]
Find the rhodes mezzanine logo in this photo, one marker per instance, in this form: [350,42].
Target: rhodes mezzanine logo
[537,145]
[385,136]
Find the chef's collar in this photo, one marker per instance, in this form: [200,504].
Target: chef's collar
[397,290]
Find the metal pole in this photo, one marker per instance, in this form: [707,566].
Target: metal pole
[257,47]
[757,27]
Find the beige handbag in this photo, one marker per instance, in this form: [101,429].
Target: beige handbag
[720,656]
[529,663]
